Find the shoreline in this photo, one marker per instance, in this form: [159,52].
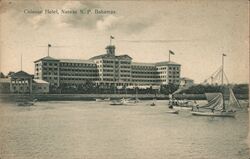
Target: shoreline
[92,97]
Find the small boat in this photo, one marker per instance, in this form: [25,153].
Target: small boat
[25,103]
[102,100]
[173,111]
[106,99]
[98,100]
[118,102]
[152,104]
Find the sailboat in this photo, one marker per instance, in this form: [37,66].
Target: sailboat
[122,101]
[216,105]
[136,99]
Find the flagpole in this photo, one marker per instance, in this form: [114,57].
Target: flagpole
[21,61]
[222,70]
[48,49]
[169,56]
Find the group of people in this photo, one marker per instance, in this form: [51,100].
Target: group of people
[174,102]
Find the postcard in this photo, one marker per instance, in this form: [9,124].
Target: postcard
[124,79]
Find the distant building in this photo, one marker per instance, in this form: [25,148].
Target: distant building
[21,82]
[106,69]
[186,82]
[4,85]
[40,86]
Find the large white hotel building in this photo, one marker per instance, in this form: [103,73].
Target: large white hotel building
[106,69]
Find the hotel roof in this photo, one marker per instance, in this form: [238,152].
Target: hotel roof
[107,55]
[21,74]
[47,58]
[144,64]
[166,63]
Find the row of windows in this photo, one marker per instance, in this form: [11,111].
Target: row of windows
[144,67]
[170,73]
[77,64]
[106,70]
[78,70]
[125,66]
[49,73]
[144,77]
[173,72]
[50,64]
[144,72]
[174,81]
[170,68]
[106,61]
[110,66]
[78,74]
[125,75]
[125,62]
[108,74]
[173,76]
[146,80]
[161,68]
[50,78]
[174,68]
[108,79]
[77,79]
[126,71]
[50,68]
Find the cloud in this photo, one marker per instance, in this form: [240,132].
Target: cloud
[100,22]
[108,23]
[79,20]
[137,25]
[38,21]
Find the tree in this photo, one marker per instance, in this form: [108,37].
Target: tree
[2,75]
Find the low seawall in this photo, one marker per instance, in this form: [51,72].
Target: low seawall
[69,97]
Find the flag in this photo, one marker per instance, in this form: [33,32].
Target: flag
[224,55]
[111,37]
[49,45]
[171,52]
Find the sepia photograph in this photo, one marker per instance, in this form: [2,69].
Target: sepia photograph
[127,79]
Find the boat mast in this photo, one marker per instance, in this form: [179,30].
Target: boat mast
[222,69]
[222,73]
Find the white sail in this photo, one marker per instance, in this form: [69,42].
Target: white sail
[215,101]
[232,102]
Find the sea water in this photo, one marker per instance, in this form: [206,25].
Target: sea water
[97,130]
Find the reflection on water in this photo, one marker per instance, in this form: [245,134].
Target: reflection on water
[80,129]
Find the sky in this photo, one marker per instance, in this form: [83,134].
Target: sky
[197,31]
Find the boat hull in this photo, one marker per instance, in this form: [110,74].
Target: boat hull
[115,102]
[25,103]
[173,111]
[182,108]
[102,100]
[215,114]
